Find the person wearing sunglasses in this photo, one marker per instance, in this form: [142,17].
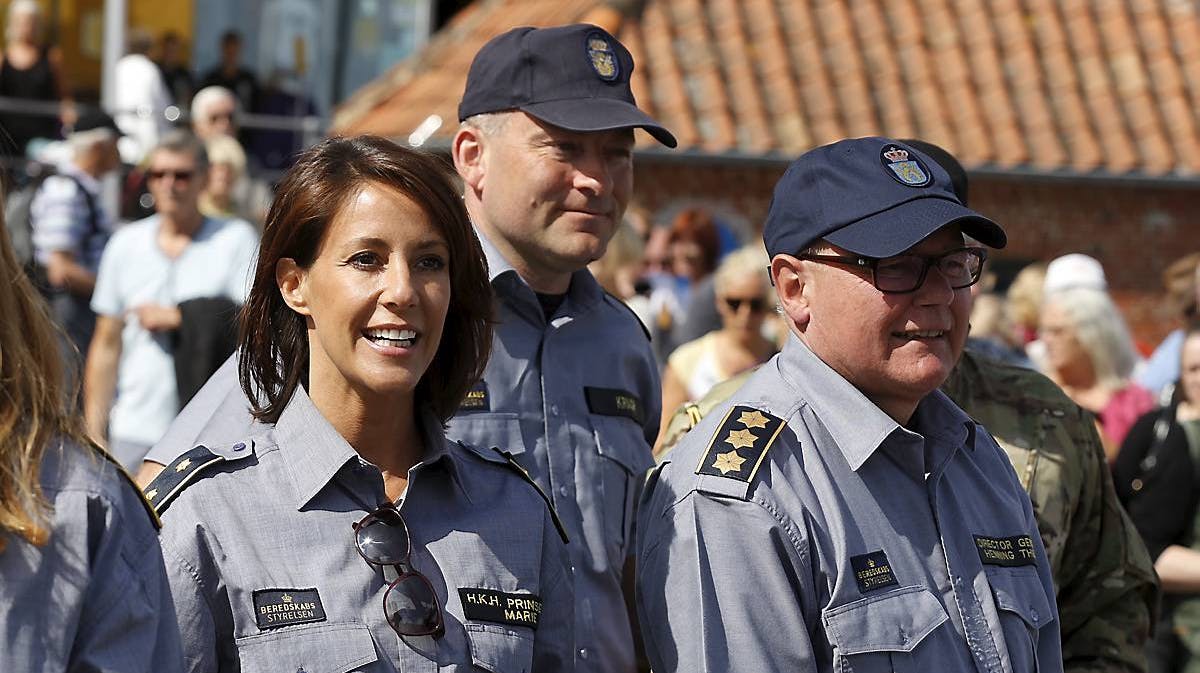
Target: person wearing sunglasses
[839,511]
[148,271]
[744,302]
[344,531]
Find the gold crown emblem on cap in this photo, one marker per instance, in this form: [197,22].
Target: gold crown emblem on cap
[896,154]
[286,598]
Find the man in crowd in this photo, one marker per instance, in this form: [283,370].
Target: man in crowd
[572,392]
[839,510]
[214,113]
[147,271]
[70,229]
[1106,587]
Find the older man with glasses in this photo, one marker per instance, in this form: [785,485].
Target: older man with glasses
[839,511]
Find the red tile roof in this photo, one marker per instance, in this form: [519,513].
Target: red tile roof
[1067,86]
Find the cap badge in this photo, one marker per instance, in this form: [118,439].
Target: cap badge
[602,57]
[904,167]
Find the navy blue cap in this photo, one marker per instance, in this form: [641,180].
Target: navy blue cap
[573,77]
[93,119]
[875,197]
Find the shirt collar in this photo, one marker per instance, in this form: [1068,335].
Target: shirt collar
[583,290]
[90,183]
[315,452]
[857,426]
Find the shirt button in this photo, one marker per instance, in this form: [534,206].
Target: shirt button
[240,446]
[1034,613]
[554,409]
[583,653]
[563,491]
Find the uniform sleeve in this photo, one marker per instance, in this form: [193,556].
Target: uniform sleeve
[1049,645]
[1107,587]
[718,583]
[128,619]
[554,643]
[199,623]
[106,298]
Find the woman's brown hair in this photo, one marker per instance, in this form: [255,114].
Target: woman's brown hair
[273,339]
[34,414]
[698,226]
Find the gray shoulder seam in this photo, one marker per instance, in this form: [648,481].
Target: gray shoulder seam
[516,467]
[616,300]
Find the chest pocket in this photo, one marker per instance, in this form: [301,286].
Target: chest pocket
[624,458]
[315,648]
[488,429]
[500,650]
[1023,610]
[884,633]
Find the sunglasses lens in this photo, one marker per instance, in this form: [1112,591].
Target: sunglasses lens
[383,539]
[411,606]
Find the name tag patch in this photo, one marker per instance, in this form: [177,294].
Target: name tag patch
[614,402]
[1017,550]
[476,399]
[489,605]
[274,608]
[872,571]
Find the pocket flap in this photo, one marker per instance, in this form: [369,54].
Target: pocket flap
[896,621]
[317,648]
[621,440]
[499,650]
[1019,590]
[481,431]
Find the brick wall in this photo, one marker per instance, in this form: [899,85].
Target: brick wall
[1135,230]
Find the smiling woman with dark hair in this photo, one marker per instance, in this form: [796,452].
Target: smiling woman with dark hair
[345,531]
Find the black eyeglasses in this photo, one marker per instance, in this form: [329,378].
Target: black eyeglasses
[410,604]
[757,305]
[906,273]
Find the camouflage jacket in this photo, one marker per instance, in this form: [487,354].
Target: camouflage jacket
[1107,589]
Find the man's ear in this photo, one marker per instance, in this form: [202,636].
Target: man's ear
[792,284]
[467,150]
[291,281]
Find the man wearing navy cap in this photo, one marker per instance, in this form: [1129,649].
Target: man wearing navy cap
[839,512]
[545,151]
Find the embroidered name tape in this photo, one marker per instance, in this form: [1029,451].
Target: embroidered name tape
[476,399]
[1017,550]
[274,608]
[489,605]
[872,571]
[614,402]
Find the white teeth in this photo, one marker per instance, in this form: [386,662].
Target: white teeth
[921,334]
[391,334]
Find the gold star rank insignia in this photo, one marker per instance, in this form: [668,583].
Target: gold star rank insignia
[740,438]
[729,462]
[749,447]
[151,494]
[753,419]
[183,465]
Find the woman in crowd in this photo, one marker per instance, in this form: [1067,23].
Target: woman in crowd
[346,518]
[1090,354]
[82,584]
[1157,479]
[743,301]
[31,70]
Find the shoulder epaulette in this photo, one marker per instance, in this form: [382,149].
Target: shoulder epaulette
[186,470]
[617,300]
[130,480]
[516,467]
[739,445]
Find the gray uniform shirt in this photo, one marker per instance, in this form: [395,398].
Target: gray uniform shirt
[799,528]
[576,399]
[265,574]
[95,597]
